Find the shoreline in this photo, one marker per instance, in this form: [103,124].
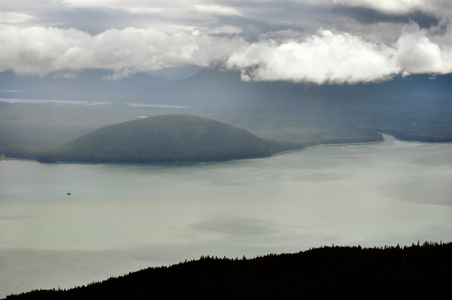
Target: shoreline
[276,154]
[327,145]
[16,158]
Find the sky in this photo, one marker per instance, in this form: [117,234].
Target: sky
[318,41]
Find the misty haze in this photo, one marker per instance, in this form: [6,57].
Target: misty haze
[137,134]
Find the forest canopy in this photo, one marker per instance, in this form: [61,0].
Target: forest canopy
[168,138]
[419,271]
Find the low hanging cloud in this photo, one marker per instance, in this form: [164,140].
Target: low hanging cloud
[330,57]
[325,57]
[41,50]
[417,53]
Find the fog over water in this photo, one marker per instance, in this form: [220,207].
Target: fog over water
[121,218]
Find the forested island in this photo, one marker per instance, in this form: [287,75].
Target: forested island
[168,138]
[418,271]
[49,132]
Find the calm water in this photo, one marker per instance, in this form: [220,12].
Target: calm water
[121,218]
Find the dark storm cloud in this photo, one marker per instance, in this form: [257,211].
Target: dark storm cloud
[371,16]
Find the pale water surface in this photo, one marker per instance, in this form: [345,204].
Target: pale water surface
[121,218]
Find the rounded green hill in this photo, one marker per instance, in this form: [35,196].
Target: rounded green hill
[168,138]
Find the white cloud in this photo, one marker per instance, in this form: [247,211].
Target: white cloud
[325,57]
[36,49]
[39,50]
[15,18]
[417,53]
[328,56]
[335,57]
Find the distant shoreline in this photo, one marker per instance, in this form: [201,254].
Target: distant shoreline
[6,158]
[87,102]
[344,144]
[276,154]
[327,145]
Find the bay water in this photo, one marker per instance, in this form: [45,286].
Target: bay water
[64,225]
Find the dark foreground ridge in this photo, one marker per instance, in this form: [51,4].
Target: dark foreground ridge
[329,272]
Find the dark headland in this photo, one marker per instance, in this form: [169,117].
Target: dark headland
[415,272]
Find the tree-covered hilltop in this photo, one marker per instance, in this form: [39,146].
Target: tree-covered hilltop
[167,138]
[324,273]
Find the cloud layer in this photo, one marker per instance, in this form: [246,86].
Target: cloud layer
[341,58]
[40,50]
[324,41]
[326,57]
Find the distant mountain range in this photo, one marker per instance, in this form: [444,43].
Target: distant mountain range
[215,86]
[90,85]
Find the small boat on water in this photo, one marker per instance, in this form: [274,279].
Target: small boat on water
[68,194]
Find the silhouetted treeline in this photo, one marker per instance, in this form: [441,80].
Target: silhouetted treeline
[329,272]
